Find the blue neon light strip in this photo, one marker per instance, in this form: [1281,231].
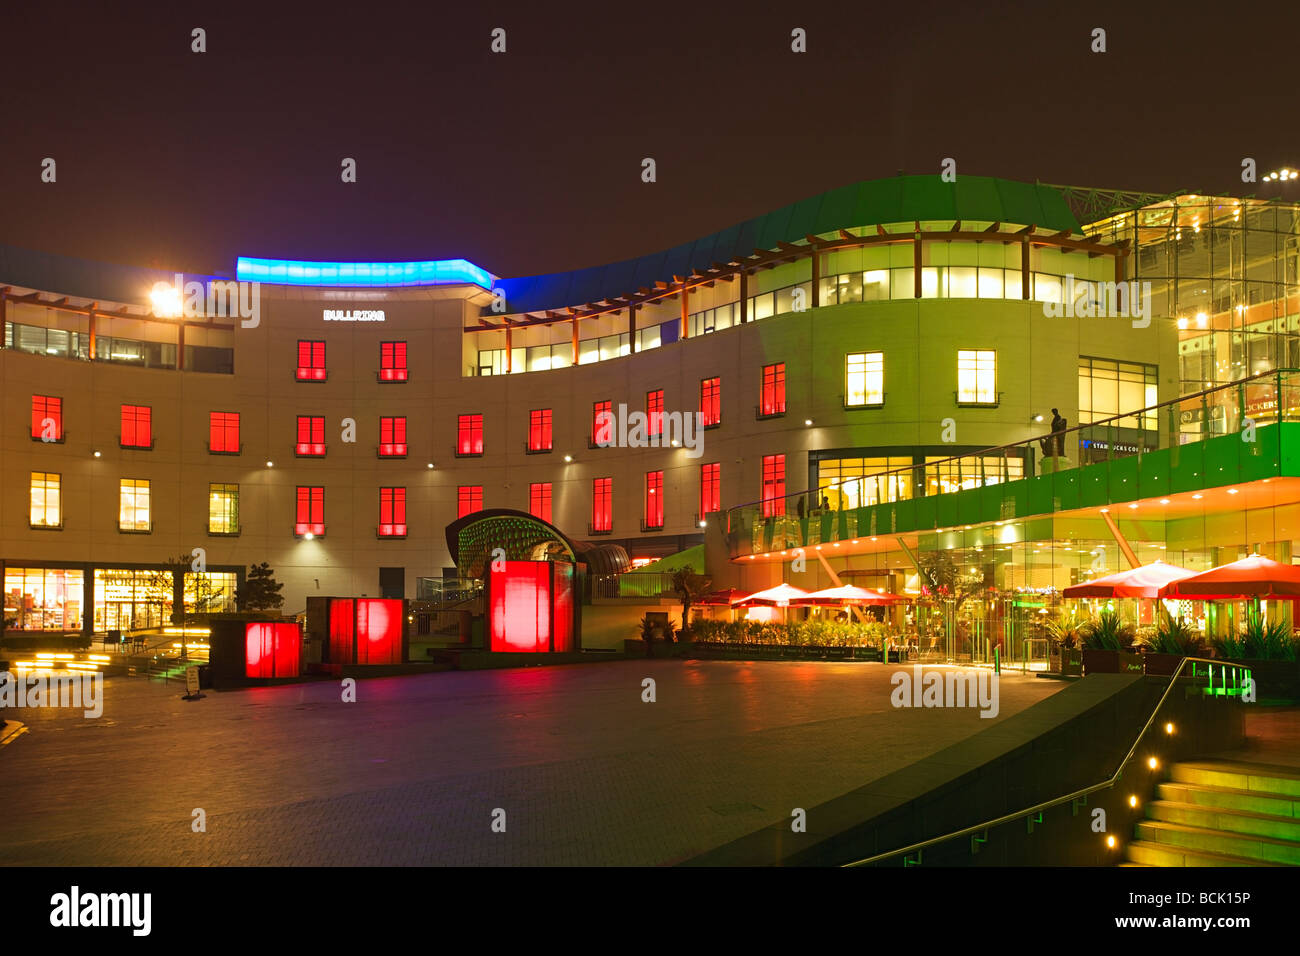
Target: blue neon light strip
[298,272]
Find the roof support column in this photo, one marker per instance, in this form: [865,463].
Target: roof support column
[573,336]
[510,351]
[744,296]
[631,329]
[180,346]
[916,262]
[4,312]
[816,280]
[90,318]
[1024,268]
[685,330]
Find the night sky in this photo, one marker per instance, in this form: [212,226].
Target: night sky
[530,161]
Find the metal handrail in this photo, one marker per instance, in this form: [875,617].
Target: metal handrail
[1056,801]
[994,449]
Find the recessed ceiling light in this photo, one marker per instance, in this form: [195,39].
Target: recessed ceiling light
[1198,497]
[1232,491]
[1164,501]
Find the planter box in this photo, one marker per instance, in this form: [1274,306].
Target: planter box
[1163,665]
[1111,662]
[1274,680]
[1069,662]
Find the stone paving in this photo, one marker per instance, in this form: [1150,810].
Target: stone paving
[411,773]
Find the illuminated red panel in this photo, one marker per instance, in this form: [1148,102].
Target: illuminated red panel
[379,631]
[563,607]
[271,649]
[343,624]
[519,614]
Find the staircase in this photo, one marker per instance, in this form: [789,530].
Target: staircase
[1221,813]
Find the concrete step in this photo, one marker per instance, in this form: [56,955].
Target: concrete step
[1227,820]
[1195,839]
[1142,853]
[1254,778]
[1229,799]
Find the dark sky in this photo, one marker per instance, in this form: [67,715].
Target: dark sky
[530,161]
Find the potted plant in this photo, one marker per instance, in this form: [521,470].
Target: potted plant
[1271,651]
[1107,645]
[1064,633]
[1172,640]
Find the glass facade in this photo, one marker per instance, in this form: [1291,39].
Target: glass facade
[43,599]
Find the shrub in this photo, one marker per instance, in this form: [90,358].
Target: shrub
[1107,632]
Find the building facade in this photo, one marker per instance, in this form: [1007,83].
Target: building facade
[876,344]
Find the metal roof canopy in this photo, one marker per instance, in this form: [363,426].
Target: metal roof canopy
[876,202]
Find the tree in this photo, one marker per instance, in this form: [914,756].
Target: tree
[689,587]
[261,591]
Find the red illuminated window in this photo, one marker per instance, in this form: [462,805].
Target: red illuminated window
[654,410]
[311,436]
[392,437]
[602,504]
[310,512]
[539,429]
[774,389]
[469,499]
[137,426]
[47,418]
[539,500]
[311,361]
[602,424]
[469,435]
[654,499]
[392,361]
[773,485]
[223,433]
[710,489]
[711,401]
[392,512]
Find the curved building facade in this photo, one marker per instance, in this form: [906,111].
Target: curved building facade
[334,419]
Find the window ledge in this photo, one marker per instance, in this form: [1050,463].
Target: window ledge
[46,527]
[149,530]
[537,451]
[223,534]
[213,451]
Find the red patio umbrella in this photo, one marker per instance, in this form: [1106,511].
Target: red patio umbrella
[724,598]
[1143,582]
[780,596]
[1255,576]
[848,594]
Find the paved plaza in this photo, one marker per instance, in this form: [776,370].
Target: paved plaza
[410,774]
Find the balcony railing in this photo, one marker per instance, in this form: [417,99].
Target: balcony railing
[633,584]
[844,511]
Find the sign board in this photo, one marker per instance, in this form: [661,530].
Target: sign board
[192,681]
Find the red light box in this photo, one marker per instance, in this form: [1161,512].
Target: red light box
[366,630]
[530,607]
[272,649]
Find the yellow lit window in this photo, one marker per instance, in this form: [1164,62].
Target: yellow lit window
[977,377]
[46,509]
[223,509]
[133,512]
[864,378]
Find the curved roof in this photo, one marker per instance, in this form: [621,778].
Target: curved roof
[82,278]
[878,201]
